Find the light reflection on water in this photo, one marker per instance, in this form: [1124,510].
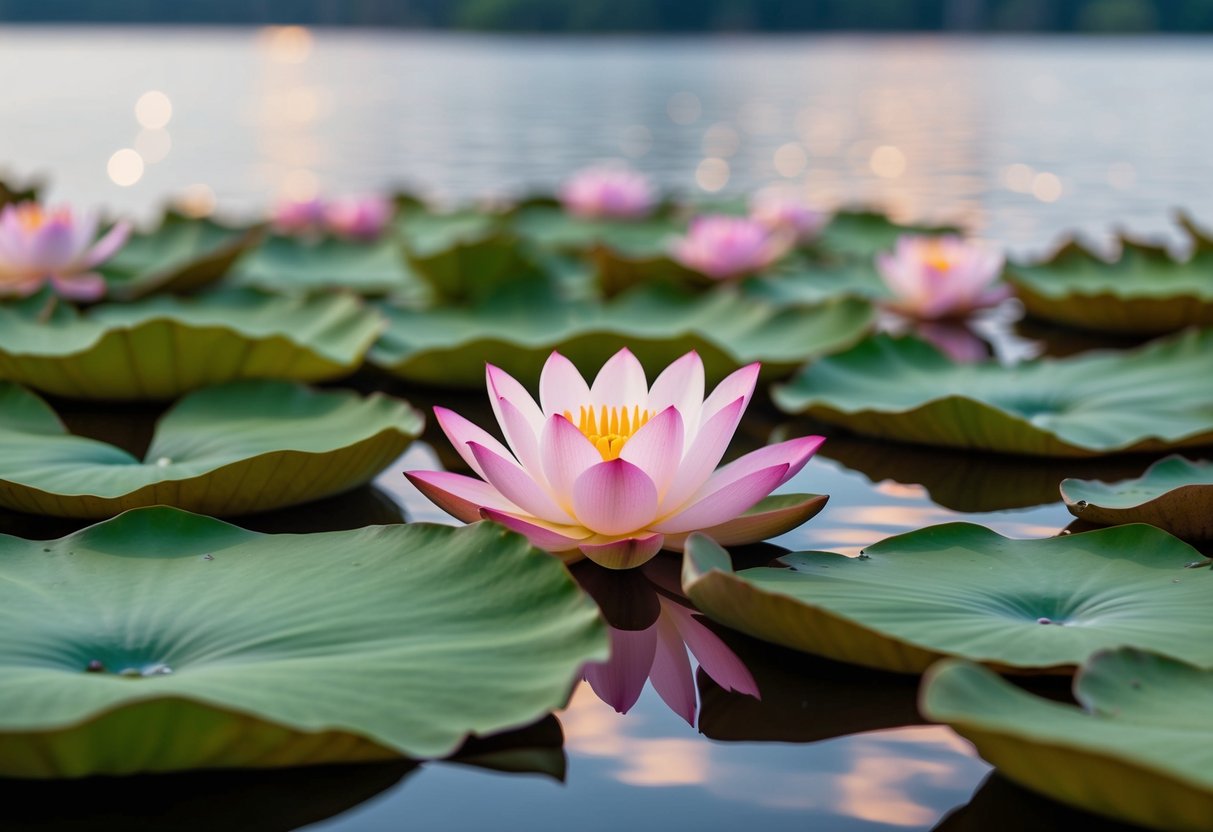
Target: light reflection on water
[1020,138]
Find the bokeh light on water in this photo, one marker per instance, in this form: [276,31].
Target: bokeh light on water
[1022,139]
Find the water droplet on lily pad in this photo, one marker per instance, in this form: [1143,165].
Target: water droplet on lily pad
[164,462]
[1044,621]
[95,666]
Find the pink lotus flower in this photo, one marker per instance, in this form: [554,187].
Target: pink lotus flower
[616,471]
[304,217]
[723,247]
[56,247]
[358,217]
[788,215]
[941,277]
[658,654]
[617,193]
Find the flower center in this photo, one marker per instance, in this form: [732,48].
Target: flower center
[936,257]
[609,428]
[30,216]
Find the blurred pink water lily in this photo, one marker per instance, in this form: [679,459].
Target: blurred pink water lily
[724,247]
[359,217]
[658,654]
[56,247]
[941,277]
[616,471]
[782,212]
[353,217]
[608,192]
[300,217]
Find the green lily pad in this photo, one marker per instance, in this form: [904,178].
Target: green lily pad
[164,346]
[449,346]
[1173,494]
[1144,292]
[553,227]
[964,591]
[181,256]
[289,264]
[464,256]
[284,650]
[235,449]
[1097,403]
[1139,749]
[863,234]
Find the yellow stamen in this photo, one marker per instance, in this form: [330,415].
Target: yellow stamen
[610,428]
[935,256]
[30,216]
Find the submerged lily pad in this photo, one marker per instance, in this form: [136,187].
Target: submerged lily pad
[448,346]
[1144,292]
[181,256]
[964,591]
[1098,403]
[162,640]
[1139,749]
[235,449]
[164,346]
[290,264]
[1173,494]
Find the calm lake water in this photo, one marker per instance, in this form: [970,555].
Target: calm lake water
[1020,139]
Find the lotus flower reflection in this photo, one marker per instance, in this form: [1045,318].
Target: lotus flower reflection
[617,470]
[58,247]
[608,192]
[723,247]
[658,654]
[941,277]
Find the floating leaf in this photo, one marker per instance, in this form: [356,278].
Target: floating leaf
[164,346]
[1173,494]
[464,256]
[1099,403]
[290,264]
[1139,749]
[1144,292]
[235,449]
[181,256]
[553,227]
[448,346]
[963,590]
[863,234]
[215,647]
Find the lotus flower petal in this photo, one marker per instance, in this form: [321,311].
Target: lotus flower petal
[38,247]
[599,471]
[459,496]
[608,192]
[671,674]
[723,247]
[940,277]
[713,655]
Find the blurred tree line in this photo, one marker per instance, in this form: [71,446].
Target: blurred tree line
[648,15]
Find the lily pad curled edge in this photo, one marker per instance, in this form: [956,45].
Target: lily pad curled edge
[1173,494]
[181,256]
[162,347]
[962,590]
[1138,749]
[1146,291]
[214,647]
[235,449]
[448,346]
[1096,403]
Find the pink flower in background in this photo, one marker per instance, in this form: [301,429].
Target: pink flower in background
[618,193]
[658,654]
[723,247]
[58,247]
[785,213]
[358,217]
[300,217]
[615,471]
[941,277]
